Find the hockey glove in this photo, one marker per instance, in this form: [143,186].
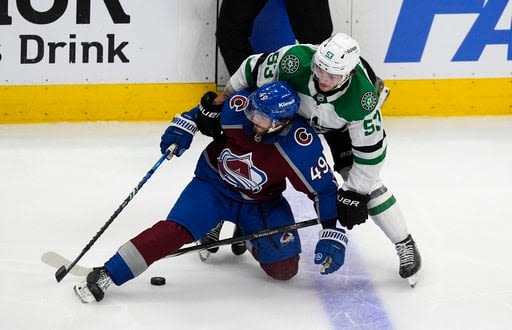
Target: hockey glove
[208,118]
[352,208]
[180,132]
[330,250]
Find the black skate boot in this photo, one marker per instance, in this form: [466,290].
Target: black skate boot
[95,285]
[210,237]
[410,260]
[238,248]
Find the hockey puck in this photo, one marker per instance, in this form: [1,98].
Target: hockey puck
[157,280]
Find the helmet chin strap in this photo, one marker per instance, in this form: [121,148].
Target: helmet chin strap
[273,129]
[282,123]
[339,87]
[343,80]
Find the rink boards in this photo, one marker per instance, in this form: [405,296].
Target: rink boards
[121,60]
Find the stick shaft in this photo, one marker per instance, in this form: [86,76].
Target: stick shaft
[55,260]
[63,271]
[259,234]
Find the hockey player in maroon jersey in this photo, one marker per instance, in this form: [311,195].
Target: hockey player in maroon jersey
[240,177]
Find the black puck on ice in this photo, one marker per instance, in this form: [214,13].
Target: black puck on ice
[157,280]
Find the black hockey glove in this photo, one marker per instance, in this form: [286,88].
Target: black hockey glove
[352,208]
[208,118]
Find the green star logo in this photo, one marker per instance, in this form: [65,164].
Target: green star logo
[369,101]
[290,64]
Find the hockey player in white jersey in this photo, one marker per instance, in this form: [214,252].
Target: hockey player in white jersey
[342,99]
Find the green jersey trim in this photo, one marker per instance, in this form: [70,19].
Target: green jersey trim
[382,207]
[373,161]
[248,74]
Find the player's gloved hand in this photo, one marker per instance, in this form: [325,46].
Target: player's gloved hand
[208,118]
[180,132]
[330,249]
[352,208]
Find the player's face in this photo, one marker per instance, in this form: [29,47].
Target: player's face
[263,124]
[326,80]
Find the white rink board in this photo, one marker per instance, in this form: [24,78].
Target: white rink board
[173,41]
[164,41]
[375,24]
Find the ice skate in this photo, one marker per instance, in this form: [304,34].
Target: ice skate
[94,286]
[238,248]
[410,260]
[210,237]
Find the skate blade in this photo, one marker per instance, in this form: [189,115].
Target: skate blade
[84,301]
[203,255]
[413,280]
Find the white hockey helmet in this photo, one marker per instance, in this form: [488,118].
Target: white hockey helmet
[338,55]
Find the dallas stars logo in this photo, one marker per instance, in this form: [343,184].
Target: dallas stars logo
[369,101]
[319,98]
[290,64]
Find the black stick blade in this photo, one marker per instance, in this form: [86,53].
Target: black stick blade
[60,273]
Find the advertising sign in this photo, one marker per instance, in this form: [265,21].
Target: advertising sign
[418,39]
[110,41]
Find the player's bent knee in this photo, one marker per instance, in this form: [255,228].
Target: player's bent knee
[282,270]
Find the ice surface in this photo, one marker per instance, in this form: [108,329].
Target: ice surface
[61,183]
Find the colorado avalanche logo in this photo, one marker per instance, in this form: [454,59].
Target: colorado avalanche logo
[302,137]
[238,103]
[240,172]
[286,238]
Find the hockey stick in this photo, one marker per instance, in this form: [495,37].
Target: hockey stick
[259,234]
[63,270]
[55,260]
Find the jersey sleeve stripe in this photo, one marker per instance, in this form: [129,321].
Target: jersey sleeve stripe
[373,148]
[373,161]
[382,207]
[248,74]
[254,72]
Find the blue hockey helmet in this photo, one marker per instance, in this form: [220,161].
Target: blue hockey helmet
[274,102]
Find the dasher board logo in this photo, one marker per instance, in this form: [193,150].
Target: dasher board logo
[416,18]
[36,48]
